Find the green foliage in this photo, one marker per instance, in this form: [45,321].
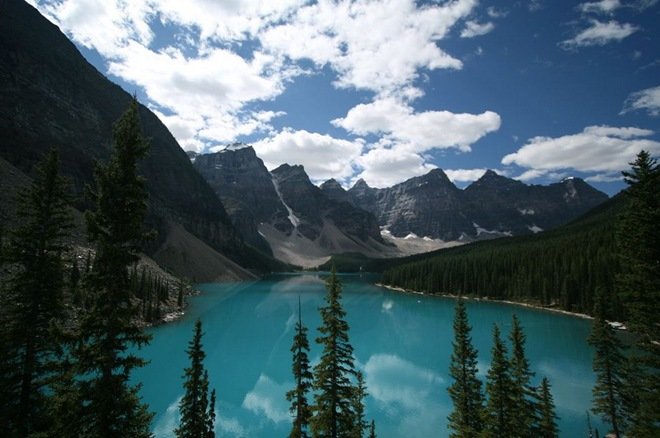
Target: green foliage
[499,412]
[547,427]
[303,376]
[638,282]
[609,366]
[466,418]
[522,392]
[560,267]
[110,405]
[32,303]
[197,410]
[334,413]
[360,425]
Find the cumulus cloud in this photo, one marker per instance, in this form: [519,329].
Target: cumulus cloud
[600,33]
[419,131]
[322,156]
[474,29]
[334,33]
[648,99]
[268,398]
[597,149]
[464,175]
[386,167]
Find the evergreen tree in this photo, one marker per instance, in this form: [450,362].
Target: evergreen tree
[372,429]
[197,411]
[110,326]
[522,392]
[466,418]
[303,377]
[498,413]
[548,419]
[638,242]
[333,409]
[32,304]
[360,393]
[608,364]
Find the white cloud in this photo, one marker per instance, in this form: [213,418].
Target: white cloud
[474,29]
[600,7]
[385,167]
[464,175]
[268,398]
[648,99]
[322,156]
[599,149]
[600,33]
[335,33]
[400,124]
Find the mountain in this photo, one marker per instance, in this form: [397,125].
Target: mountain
[285,211]
[493,206]
[51,96]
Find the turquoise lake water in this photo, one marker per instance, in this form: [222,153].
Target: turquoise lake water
[402,344]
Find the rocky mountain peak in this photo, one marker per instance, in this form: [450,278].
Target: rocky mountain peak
[360,185]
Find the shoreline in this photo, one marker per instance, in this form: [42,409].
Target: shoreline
[488,300]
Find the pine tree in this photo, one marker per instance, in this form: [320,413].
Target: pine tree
[303,377]
[109,327]
[638,244]
[372,429]
[498,412]
[360,393]
[197,411]
[548,418]
[333,410]
[33,302]
[522,392]
[609,366]
[466,418]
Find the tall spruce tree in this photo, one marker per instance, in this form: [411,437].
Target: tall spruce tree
[609,364]
[638,243]
[109,328]
[498,413]
[548,419]
[467,417]
[32,304]
[303,376]
[197,410]
[522,392]
[360,425]
[333,409]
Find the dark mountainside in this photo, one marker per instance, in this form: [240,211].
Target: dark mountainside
[284,206]
[430,205]
[246,189]
[51,96]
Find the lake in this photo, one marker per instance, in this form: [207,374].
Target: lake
[402,344]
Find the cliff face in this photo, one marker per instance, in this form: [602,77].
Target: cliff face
[284,212]
[51,96]
[430,205]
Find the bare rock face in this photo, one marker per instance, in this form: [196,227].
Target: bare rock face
[246,189]
[431,206]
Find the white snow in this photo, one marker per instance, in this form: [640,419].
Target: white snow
[411,236]
[481,231]
[534,229]
[292,217]
[526,211]
[234,147]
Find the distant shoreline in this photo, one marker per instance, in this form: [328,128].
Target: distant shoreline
[528,305]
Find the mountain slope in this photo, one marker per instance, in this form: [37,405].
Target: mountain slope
[431,206]
[51,96]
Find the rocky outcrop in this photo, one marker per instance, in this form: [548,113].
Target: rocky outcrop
[431,206]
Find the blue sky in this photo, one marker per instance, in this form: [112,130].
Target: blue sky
[388,89]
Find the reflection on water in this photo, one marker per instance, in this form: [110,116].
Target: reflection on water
[402,345]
